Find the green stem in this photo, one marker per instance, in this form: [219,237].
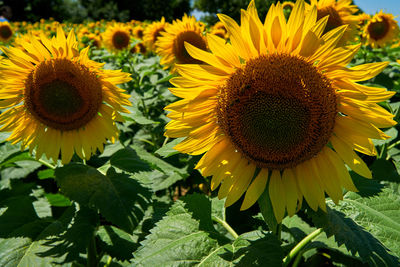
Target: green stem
[109,260]
[393,145]
[300,245]
[45,163]
[92,253]
[226,226]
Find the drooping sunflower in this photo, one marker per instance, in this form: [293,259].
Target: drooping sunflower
[58,100]
[6,32]
[340,13]
[381,30]
[170,45]
[117,37]
[277,107]
[152,32]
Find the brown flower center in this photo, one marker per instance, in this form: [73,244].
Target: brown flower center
[278,110]
[179,49]
[378,29]
[5,32]
[334,19]
[63,94]
[120,40]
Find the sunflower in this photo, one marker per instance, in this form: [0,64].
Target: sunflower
[152,32]
[288,5]
[170,45]
[381,30]
[58,100]
[117,37]
[219,30]
[138,32]
[340,13]
[5,31]
[277,107]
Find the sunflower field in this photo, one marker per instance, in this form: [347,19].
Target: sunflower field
[268,141]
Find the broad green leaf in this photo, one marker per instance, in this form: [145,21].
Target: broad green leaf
[19,169]
[58,200]
[24,234]
[128,160]
[168,150]
[185,237]
[157,180]
[120,199]
[117,243]
[137,116]
[46,174]
[384,170]
[151,171]
[377,214]
[75,240]
[175,241]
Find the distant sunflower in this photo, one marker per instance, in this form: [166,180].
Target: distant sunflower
[340,13]
[59,101]
[277,107]
[170,45]
[219,30]
[152,32]
[381,30]
[363,18]
[6,32]
[138,32]
[117,37]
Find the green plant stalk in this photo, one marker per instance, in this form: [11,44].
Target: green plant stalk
[226,226]
[92,253]
[301,245]
[49,165]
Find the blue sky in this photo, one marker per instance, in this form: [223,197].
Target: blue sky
[373,6]
[368,6]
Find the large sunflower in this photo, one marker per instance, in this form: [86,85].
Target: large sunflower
[340,13]
[58,100]
[6,32]
[117,37]
[277,107]
[170,45]
[381,30]
[152,32]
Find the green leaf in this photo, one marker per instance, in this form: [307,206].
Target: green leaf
[137,116]
[168,150]
[120,199]
[117,243]
[75,239]
[26,239]
[384,170]
[128,160]
[156,180]
[185,237]
[19,169]
[141,163]
[175,240]
[255,248]
[46,174]
[377,214]
[267,212]
[58,200]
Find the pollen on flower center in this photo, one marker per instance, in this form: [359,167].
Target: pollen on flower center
[278,110]
[378,29]
[63,94]
[179,49]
